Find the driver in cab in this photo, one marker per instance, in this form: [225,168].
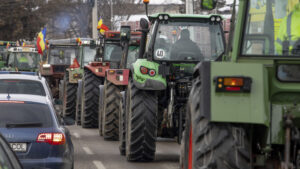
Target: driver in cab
[185,48]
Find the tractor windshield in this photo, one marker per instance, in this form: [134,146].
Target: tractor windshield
[62,55]
[112,52]
[24,60]
[272,28]
[188,41]
[133,54]
[89,54]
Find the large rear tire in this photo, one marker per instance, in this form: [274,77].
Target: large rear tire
[90,100]
[78,103]
[110,112]
[69,99]
[213,145]
[122,129]
[141,124]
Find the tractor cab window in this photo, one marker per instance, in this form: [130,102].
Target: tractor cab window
[89,54]
[133,54]
[272,28]
[24,60]
[188,41]
[63,55]
[112,52]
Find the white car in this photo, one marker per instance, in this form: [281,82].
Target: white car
[24,83]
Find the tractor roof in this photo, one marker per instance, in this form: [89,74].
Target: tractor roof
[191,16]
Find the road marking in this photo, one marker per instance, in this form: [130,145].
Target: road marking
[99,165]
[76,135]
[87,150]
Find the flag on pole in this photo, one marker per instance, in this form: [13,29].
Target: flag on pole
[101,27]
[41,41]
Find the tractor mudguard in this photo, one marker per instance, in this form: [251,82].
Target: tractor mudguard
[145,81]
[118,77]
[75,74]
[98,68]
[231,106]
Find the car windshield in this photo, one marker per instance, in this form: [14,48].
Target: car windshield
[89,54]
[25,113]
[62,55]
[112,52]
[24,60]
[17,86]
[272,28]
[133,54]
[188,41]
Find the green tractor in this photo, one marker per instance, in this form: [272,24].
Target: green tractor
[116,80]
[87,53]
[22,59]
[161,78]
[244,111]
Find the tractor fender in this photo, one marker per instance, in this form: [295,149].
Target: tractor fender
[145,81]
[97,70]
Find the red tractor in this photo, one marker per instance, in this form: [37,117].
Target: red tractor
[94,75]
[115,82]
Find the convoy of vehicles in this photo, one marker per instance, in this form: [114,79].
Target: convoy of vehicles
[234,106]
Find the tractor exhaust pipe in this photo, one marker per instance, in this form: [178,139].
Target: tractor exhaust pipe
[145,29]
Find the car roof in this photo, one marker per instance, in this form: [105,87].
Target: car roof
[20,76]
[25,98]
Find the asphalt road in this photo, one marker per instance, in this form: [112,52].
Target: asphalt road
[92,152]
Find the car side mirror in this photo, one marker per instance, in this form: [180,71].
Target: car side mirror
[208,4]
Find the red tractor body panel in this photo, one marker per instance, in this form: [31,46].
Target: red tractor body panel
[118,77]
[98,68]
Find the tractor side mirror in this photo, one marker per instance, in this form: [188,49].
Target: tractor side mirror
[208,4]
[144,24]
[125,33]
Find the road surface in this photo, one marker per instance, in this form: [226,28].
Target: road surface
[92,152]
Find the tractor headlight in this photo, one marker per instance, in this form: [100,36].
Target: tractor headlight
[213,19]
[160,17]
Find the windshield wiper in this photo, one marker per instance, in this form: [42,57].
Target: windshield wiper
[20,125]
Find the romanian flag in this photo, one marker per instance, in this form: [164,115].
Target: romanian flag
[41,41]
[101,27]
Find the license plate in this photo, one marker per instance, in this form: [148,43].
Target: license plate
[18,147]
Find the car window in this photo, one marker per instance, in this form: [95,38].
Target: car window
[25,113]
[17,86]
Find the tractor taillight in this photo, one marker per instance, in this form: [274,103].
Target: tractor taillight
[51,138]
[144,70]
[152,72]
[233,84]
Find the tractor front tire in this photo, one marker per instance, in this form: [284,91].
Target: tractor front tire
[141,123]
[110,111]
[212,145]
[101,103]
[69,99]
[90,100]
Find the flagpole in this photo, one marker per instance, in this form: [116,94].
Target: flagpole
[95,19]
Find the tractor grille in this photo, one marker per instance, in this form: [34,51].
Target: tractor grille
[59,68]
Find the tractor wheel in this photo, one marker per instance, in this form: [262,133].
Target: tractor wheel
[110,111]
[61,90]
[213,145]
[69,99]
[78,103]
[90,100]
[141,123]
[122,129]
[101,103]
